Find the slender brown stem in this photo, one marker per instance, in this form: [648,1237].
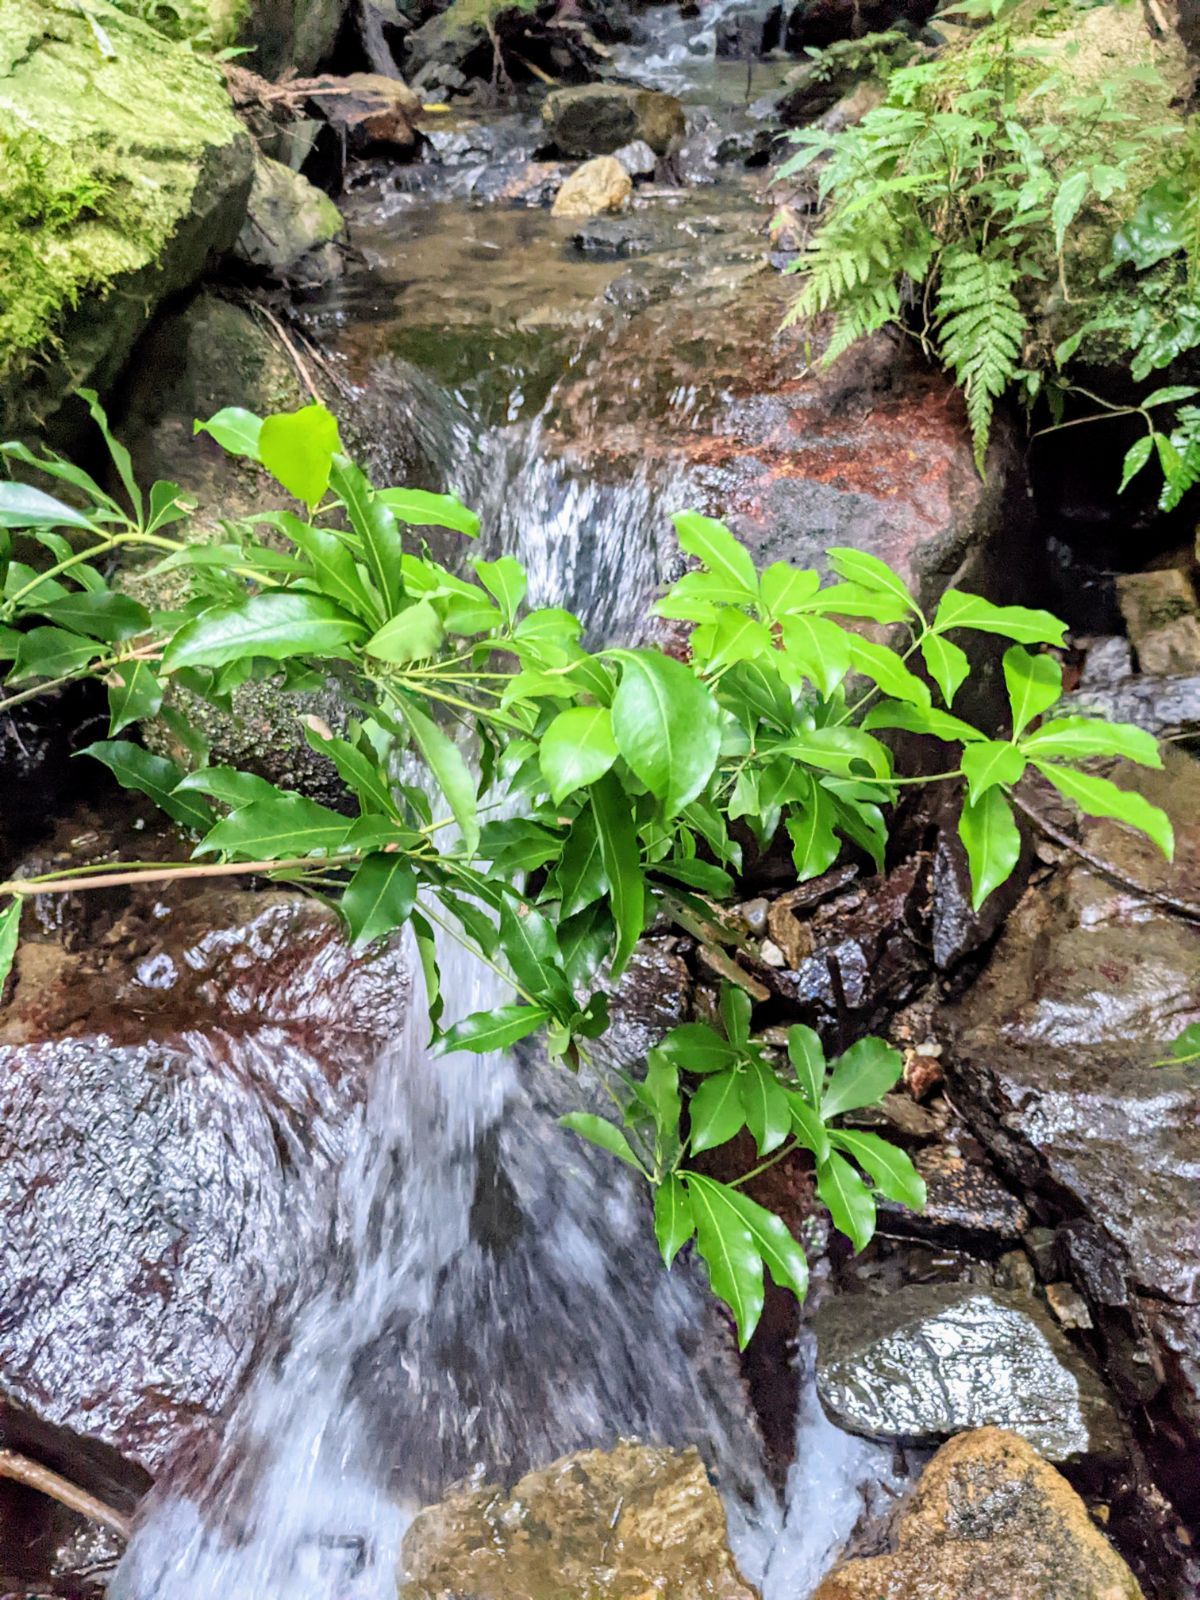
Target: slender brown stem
[1182,908]
[167,874]
[35,1476]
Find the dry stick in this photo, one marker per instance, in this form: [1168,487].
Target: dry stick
[297,359]
[31,1473]
[1182,908]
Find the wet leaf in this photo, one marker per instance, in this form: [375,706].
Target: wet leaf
[991,762]
[621,855]
[861,1077]
[274,625]
[848,1199]
[10,931]
[411,635]
[605,1135]
[1079,738]
[666,726]
[716,1111]
[674,1224]
[992,841]
[134,694]
[379,897]
[577,748]
[22,506]
[712,543]
[959,610]
[297,448]
[735,1270]
[765,1103]
[135,768]
[1034,685]
[890,1169]
[946,664]
[1097,797]
[485,1031]
[808,1060]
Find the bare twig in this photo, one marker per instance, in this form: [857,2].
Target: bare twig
[1182,908]
[296,358]
[167,874]
[35,1476]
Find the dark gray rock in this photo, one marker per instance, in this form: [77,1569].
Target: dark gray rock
[598,119]
[290,227]
[933,1360]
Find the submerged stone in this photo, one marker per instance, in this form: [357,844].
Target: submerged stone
[932,1360]
[122,169]
[596,187]
[990,1520]
[600,119]
[623,1524]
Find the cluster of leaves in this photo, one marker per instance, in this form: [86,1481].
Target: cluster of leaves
[1185,1050]
[950,209]
[786,1106]
[584,792]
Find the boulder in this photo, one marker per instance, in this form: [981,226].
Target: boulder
[613,1525]
[177,1081]
[1163,618]
[290,228]
[1054,1056]
[598,186]
[373,114]
[933,1360]
[598,119]
[299,34]
[990,1520]
[121,173]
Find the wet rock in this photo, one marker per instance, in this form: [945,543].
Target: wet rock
[176,1084]
[596,187]
[1068,1305]
[1164,705]
[818,86]
[290,227]
[1163,618]
[638,159]
[625,1523]
[598,119]
[965,1204]
[932,1360]
[990,1520]
[290,33]
[652,997]
[373,114]
[148,109]
[618,237]
[1052,1057]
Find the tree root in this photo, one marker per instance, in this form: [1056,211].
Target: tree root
[35,1476]
[1182,908]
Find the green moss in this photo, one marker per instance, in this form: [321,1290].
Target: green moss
[109,141]
[204,24]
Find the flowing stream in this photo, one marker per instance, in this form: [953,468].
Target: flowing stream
[489,1293]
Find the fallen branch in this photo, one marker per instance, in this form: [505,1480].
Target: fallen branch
[1182,908]
[35,1476]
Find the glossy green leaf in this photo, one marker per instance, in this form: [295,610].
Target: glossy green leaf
[847,1198]
[283,826]
[1136,457]
[712,543]
[885,668]
[890,1169]
[375,524]
[105,615]
[228,785]
[1079,738]
[22,506]
[333,564]
[450,771]
[505,579]
[485,1031]
[10,933]
[861,1077]
[357,770]
[531,948]
[379,897]
[819,648]
[606,1135]
[1034,685]
[810,1132]
[297,448]
[854,600]
[420,509]
[989,763]
[959,610]
[674,1224]
[275,625]
[946,664]
[1098,797]
[701,875]
[735,1014]
[621,855]
[235,430]
[716,1111]
[732,638]
[781,1253]
[921,719]
[666,726]
[841,751]
[577,748]
[135,768]
[725,1243]
[411,635]
[992,841]
[808,1061]
[785,587]
[869,572]
[52,653]
[765,1104]
[815,846]
[134,694]
[695,1047]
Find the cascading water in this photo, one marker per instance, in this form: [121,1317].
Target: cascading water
[489,1293]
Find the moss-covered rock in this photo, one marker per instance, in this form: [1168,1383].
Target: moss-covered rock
[280,33]
[122,169]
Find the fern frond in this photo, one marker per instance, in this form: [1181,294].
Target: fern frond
[981,329]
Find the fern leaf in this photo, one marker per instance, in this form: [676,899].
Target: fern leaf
[981,330]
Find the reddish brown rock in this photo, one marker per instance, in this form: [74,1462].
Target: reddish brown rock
[169,1081]
[371,112]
